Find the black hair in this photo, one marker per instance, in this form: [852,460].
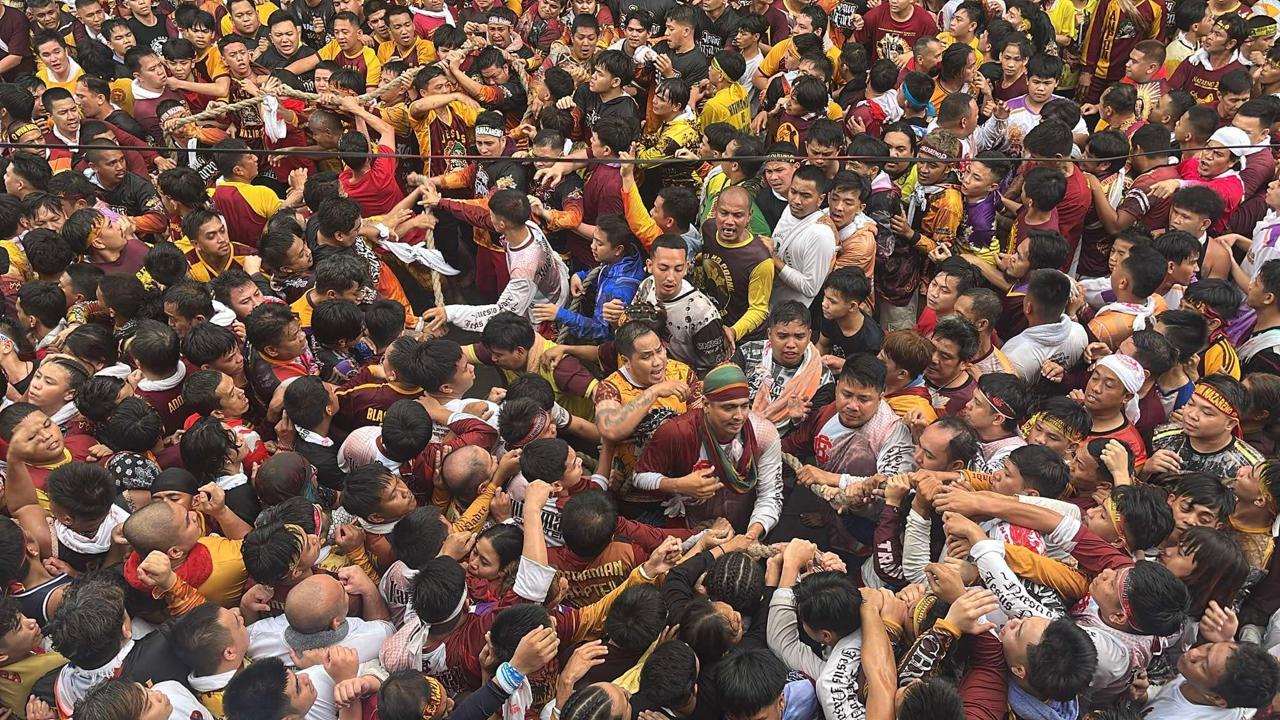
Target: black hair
[84,490]
[850,282]
[749,680]
[508,331]
[364,488]
[166,263]
[257,691]
[96,398]
[933,699]
[1200,200]
[133,426]
[1154,352]
[864,370]
[1146,269]
[406,430]
[1042,469]
[199,639]
[440,583]
[828,601]
[87,626]
[1157,599]
[1148,518]
[305,400]
[1220,567]
[705,630]
[1045,186]
[1223,296]
[1013,393]
[545,459]
[418,536]
[588,518]
[1050,290]
[206,343]
[270,551]
[512,206]
[670,675]
[191,298]
[1204,489]
[1062,664]
[1186,329]
[966,276]
[736,579]
[265,326]
[47,252]
[205,446]
[122,292]
[154,346]
[957,329]
[44,301]
[1049,139]
[636,619]
[335,320]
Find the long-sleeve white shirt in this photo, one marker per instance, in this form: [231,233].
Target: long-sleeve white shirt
[806,246]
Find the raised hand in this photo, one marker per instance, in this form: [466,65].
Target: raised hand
[537,648]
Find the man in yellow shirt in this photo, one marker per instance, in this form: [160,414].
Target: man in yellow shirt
[811,20]
[348,50]
[404,43]
[729,102]
[57,69]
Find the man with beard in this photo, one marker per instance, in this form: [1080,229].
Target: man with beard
[632,402]
[734,453]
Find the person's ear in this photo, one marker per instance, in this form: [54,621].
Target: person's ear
[175,553]
[1018,671]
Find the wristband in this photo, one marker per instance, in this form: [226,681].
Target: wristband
[508,678]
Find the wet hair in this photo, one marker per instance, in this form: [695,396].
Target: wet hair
[1157,600]
[85,491]
[1148,519]
[1069,412]
[133,426]
[1220,568]
[363,491]
[205,447]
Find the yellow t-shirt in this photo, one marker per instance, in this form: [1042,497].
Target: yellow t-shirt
[369,58]
[729,105]
[424,49]
[773,59]
[265,8]
[225,584]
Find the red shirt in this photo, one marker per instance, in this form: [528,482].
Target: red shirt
[889,38]
[1072,210]
[376,191]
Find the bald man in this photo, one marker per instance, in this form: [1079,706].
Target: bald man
[315,619]
[211,564]
[731,252]
[470,476]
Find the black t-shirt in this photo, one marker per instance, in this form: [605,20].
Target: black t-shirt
[691,65]
[866,340]
[153,36]
[771,206]
[712,36]
[271,60]
[133,196]
[658,8]
[314,22]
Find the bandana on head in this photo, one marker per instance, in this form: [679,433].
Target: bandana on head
[725,383]
[1125,368]
[536,428]
[132,471]
[1053,423]
[1210,394]
[1235,140]
[1262,26]
[16,134]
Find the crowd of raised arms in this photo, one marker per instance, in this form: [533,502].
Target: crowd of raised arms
[639,360]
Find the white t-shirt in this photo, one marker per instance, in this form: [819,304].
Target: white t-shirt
[1171,704]
[1063,342]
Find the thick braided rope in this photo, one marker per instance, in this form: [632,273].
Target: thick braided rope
[402,79]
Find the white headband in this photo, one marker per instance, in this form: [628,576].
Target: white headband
[489,131]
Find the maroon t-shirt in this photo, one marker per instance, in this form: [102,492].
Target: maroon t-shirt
[130,260]
[1151,211]
[1072,210]
[15,33]
[889,38]
[171,405]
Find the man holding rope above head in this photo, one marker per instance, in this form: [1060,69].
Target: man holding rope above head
[736,385]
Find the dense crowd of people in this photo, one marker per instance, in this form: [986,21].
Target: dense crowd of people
[862,359]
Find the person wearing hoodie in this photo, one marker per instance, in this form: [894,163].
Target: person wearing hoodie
[617,277]
[1051,334]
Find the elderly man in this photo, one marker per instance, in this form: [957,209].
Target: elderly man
[315,622]
[732,457]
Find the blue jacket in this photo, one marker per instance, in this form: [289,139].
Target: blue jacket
[618,281]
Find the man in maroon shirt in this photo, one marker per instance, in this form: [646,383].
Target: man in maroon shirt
[154,348]
[15,34]
[366,396]
[1150,162]
[1052,139]
[1218,55]
[602,193]
[891,28]
[1255,117]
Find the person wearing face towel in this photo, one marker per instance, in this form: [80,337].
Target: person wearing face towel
[1218,167]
